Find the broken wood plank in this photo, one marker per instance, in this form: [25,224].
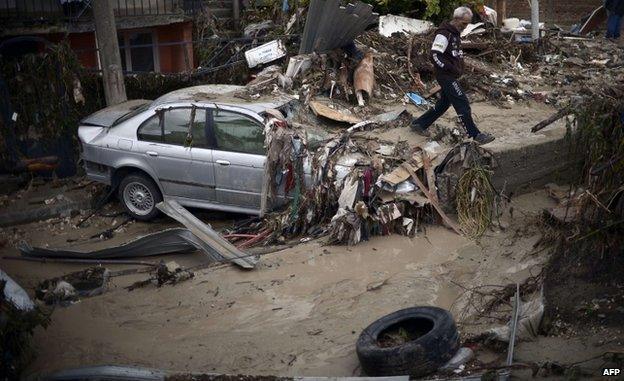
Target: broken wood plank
[341,114]
[432,199]
[428,168]
[435,89]
[553,118]
[206,234]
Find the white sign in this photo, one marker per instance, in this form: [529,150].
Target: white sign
[390,24]
[265,53]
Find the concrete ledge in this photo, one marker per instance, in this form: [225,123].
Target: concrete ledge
[24,216]
[522,169]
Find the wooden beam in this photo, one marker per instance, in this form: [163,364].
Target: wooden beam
[432,199]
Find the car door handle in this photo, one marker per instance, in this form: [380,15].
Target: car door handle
[152,153]
[223,162]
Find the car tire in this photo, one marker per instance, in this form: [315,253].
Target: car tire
[139,196]
[417,358]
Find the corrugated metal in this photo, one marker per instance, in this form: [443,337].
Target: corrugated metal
[330,26]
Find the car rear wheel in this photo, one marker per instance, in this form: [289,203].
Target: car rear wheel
[139,196]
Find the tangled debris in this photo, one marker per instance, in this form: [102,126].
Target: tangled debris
[19,317]
[165,273]
[70,288]
[353,186]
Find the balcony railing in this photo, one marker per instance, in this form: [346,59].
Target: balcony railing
[30,12]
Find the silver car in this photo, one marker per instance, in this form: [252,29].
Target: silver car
[147,150]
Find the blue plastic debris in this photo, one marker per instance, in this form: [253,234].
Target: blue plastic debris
[416,99]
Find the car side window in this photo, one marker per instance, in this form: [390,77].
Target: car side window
[238,133]
[150,130]
[175,128]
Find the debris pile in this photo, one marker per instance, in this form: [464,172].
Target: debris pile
[356,184]
[165,273]
[352,193]
[19,317]
[70,288]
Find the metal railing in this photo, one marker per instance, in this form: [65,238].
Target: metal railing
[30,12]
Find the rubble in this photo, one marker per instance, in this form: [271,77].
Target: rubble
[165,273]
[350,206]
[70,288]
[205,237]
[19,316]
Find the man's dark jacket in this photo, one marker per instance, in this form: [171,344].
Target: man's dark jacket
[446,53]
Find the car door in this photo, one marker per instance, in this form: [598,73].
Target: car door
[163,140]
[239,157]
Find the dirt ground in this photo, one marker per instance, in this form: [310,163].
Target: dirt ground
[298,313]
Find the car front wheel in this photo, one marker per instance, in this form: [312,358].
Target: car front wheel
[139,196]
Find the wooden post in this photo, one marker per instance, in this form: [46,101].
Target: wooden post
[110,59]
[236,13]
[501,10]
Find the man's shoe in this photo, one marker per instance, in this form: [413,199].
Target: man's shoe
[419,130]
[483,138]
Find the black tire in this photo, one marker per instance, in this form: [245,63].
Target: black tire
[145,185]
[416,358]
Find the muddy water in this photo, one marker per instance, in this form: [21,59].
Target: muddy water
[298,313]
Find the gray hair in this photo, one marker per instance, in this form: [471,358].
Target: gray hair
[462,12]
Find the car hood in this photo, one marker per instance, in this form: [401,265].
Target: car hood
[106,117]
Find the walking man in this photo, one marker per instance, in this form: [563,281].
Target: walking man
[447,58]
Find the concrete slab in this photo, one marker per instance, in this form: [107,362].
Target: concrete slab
[43,202]
[525,160]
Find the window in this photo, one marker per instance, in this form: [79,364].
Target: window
[235,132]
[150,130]
[175,128]
[137,51]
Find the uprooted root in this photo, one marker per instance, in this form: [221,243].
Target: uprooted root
[475,199]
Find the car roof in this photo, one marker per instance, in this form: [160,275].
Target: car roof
[230,95]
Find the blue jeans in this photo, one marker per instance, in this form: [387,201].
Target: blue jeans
[614,24]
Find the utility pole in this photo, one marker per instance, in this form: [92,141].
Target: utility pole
[110,59]
[501,10]
[535,29]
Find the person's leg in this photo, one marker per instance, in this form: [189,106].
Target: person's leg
[618,27]
[612,25]
[460,103]
[425,120]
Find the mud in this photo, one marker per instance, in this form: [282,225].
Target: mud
[298,314]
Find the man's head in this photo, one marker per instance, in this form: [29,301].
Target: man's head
[462,16]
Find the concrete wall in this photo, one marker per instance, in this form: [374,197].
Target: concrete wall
[552,11]
[524,169]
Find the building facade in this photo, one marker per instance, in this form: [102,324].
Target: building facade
[154,35]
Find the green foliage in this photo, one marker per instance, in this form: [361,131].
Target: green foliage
[42,93]
[42,88]
[434,10]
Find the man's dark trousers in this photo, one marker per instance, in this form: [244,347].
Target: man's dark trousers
[451,94]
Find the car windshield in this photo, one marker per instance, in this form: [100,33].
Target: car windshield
[132,113]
